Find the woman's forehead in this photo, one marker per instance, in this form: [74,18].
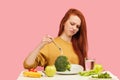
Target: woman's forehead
[75,19]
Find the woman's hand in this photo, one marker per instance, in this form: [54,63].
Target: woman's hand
[46,39]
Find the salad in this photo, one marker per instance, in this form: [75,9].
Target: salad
[102,75]
[96,72]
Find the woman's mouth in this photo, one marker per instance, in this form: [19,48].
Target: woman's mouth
[72,31]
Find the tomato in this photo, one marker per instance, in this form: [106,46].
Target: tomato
[33,70]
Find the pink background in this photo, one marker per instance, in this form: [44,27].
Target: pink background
[24,22]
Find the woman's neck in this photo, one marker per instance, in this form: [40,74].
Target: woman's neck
[66,38]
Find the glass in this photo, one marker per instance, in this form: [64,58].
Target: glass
[89,64]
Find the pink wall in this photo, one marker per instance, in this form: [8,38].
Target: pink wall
[24,22]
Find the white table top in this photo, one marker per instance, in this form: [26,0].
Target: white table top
[60,77]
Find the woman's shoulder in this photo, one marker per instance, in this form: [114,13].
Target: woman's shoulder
[57,39]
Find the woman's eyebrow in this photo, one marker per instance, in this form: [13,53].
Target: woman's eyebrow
[74,23]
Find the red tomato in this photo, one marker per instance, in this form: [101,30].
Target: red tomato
[33,70]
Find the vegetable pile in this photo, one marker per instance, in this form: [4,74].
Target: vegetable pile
[102,75]
[62,63]
[96,70]
[33,73]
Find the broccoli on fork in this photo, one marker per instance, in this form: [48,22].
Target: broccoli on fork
[62,64]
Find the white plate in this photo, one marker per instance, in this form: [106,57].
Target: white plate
[75,69]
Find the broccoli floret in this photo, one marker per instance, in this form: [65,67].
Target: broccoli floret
[62,64]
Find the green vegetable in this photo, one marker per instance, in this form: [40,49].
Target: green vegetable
[88,73]
[96,70]
[102,75]
[62,64]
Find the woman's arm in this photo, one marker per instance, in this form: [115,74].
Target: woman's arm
[30,60]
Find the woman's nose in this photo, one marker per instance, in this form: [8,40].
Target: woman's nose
[74,27]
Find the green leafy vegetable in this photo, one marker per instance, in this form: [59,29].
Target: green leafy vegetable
[88,73]
[62,64]
[102,75]
[96,70]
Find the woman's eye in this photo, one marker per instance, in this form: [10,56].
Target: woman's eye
[72,23]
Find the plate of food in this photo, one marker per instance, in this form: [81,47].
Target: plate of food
[75,69]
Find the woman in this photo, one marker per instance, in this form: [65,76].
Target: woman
[72,39]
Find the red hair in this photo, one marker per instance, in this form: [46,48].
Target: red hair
[79,40]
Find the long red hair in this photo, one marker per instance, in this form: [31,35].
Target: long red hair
[79,40]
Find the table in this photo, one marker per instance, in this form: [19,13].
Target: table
[61,77]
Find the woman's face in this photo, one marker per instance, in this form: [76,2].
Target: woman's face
[72,25]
